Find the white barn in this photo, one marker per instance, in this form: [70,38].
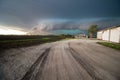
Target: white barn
[111,34]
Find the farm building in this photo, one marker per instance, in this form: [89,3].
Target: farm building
[81,35]
[111,34]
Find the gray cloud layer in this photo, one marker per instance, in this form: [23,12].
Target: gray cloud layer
[28,13]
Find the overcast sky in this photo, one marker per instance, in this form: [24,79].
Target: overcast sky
[29,13]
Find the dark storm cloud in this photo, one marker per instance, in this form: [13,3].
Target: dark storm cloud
[27,13]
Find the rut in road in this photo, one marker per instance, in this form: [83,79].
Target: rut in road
[85,65]
[37,66]
[91,70]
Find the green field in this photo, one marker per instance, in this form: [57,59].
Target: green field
[111,45]
[11,41]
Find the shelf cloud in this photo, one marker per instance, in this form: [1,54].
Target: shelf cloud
[59,14]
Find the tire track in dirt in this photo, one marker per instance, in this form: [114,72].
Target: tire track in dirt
[37,66]
[91,70]
[85,65]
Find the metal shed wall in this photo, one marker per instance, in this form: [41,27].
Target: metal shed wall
[105,35]
[110,34]
[115,35]
[99,34]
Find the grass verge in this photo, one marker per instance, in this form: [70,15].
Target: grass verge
[110,44]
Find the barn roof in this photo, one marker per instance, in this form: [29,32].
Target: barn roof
[109,28]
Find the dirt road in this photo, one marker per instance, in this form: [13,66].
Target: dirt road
[63,60]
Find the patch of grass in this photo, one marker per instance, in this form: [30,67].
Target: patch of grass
[111,45]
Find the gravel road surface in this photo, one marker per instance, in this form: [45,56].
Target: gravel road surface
[75,59]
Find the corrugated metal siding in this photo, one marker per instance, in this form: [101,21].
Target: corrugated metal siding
[99,35]
[112,34]
[105,35]
[115,35]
